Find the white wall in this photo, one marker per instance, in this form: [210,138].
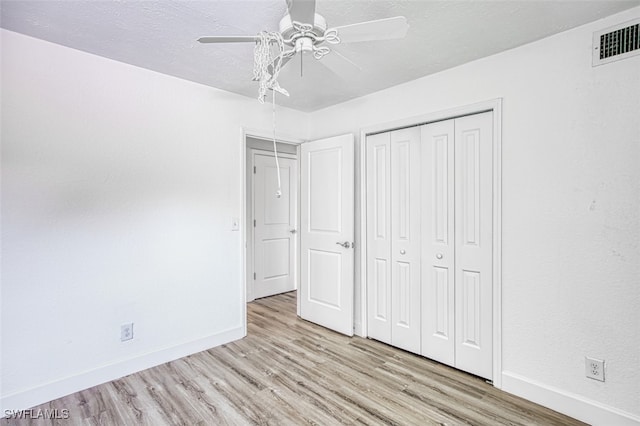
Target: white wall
[571,210]
[119,186]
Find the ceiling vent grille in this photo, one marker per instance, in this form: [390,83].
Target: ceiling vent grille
[615,43]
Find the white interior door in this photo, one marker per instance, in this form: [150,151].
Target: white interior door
[275,248]
[474,243]
[327,233]
[405,239]
[438,277]
[379,236]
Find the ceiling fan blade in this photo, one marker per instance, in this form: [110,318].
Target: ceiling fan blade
[302,11]
[339,64]
[381,29]
[228,39]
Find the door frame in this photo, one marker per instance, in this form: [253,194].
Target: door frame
[267,135]
[495,106]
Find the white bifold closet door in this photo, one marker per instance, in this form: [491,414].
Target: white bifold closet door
[438,245]
[393,227]
[457,239]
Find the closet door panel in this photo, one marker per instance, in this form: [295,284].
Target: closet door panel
[405,244]
[438,245]
[379,236]
[474,228]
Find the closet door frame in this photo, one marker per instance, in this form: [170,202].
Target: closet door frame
[495,106]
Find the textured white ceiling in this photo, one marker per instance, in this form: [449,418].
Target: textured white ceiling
[161,36]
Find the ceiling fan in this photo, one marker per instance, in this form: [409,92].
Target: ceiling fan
[305,31]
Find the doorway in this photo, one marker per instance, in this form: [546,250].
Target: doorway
[274,193]
[324,243]
[272,217]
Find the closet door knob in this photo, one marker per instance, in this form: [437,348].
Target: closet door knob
[439,256]
[402,252]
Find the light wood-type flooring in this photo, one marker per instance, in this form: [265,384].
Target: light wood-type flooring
[291,372]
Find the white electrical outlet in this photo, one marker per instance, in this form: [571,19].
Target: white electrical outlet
[126,332]
[594,368]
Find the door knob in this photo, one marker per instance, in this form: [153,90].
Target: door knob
[293,231]
[439,256]
[402,251]
[345,244]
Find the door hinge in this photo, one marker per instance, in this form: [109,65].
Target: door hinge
[254,275]
[254,223]
[254,170]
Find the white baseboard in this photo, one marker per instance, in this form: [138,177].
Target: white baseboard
[573,405]
[32,397]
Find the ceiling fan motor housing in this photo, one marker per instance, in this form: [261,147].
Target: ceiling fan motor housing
[289,32]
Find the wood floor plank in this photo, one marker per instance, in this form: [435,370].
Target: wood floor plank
[292,372]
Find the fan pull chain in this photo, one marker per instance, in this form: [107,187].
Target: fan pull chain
[275,148]
[268,79]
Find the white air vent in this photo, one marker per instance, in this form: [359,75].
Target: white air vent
[615,43]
